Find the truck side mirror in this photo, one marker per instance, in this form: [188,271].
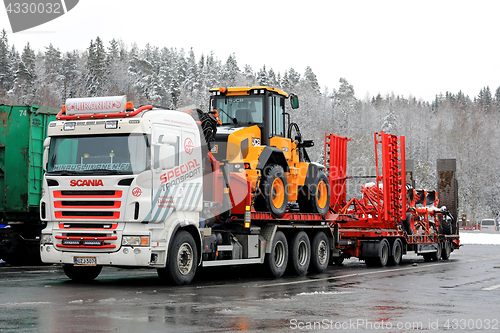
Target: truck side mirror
[166,156]
[294,101]
[46,145]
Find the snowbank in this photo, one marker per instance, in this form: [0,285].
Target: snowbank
[479,238]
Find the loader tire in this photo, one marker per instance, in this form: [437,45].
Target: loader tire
[273,195]
[315,197]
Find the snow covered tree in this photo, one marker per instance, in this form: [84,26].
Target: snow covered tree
[96,71]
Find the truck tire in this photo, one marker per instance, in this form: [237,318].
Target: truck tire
[82,273]
[315,197]
[320,253]
[299,253]
[274,191]
[277,260]
[396,252]
[183,260]
[446,251]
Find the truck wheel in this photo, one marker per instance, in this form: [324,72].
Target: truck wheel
[183,260]
[300,253]
[273,186]
[82,273]
[446,251]
[277,260]
[436,255]
[396,253]
[320,252]
[315,197]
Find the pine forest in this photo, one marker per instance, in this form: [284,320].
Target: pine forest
[453,125]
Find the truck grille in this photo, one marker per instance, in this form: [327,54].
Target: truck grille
[74,237]
[89,205]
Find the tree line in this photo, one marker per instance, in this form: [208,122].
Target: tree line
[453,125]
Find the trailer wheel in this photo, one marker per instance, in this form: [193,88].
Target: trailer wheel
[183,260]
[315,197]
[320,252]
[382,251]
[274,191]
[277,260]
[82,273]
[300,253]
[396,253]
[436,255]
[446,251]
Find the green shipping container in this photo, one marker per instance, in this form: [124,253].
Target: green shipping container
[23,129]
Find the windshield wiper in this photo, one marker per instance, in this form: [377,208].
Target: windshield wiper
[234,120]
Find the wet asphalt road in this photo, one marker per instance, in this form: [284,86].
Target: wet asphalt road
[462,294]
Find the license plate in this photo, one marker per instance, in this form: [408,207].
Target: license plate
[85,261]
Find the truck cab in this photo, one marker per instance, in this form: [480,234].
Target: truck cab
[118,183]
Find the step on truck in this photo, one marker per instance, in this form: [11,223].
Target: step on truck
[390,218]
[141,188]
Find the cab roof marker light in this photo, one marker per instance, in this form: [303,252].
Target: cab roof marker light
[111,124]
[70,126]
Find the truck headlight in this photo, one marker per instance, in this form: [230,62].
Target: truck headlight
[46,239]
[135,240]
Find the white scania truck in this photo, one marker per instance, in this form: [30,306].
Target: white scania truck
[138,188]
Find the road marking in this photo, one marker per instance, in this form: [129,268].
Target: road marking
[492,287]
[376,272]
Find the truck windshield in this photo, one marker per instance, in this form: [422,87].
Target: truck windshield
[117,154]
[246,110]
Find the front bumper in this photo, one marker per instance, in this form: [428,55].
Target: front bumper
[136,256]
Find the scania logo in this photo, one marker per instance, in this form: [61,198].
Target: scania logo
[86,182]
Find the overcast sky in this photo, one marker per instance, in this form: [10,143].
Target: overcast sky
[417,48]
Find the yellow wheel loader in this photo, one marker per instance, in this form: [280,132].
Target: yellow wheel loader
[254,138]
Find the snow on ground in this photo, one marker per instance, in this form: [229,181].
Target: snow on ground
[480,238]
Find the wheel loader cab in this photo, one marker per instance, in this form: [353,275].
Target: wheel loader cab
[254,139]
[263,107]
